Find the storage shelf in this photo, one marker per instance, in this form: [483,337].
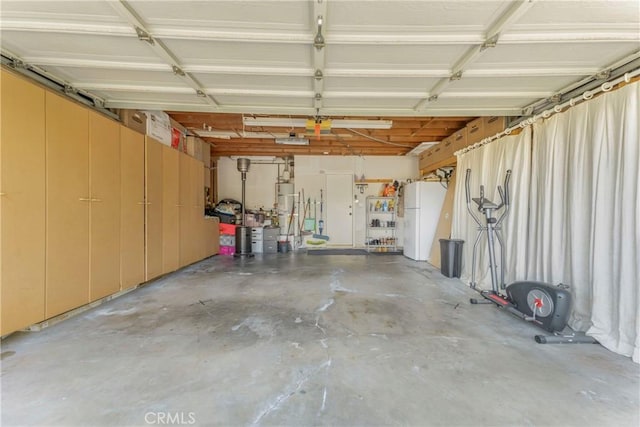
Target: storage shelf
[373,181]
[377,233]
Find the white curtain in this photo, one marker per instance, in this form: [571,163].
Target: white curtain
[585,214]
[488,165]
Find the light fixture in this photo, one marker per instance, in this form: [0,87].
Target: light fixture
[422,147]
[219,134]
[301,123]
[228,134]
[292,141]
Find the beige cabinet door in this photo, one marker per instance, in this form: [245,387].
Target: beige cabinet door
[212,236]
[104,182]
[22,203]
[131,208]
[153,208]
[185,204]
[170,201]
[67,211]
[199,237]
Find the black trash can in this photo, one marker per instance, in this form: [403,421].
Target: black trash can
[451,257]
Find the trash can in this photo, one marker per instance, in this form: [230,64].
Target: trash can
[284,247]
[451,257]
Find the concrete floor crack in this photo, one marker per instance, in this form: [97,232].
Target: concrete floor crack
[279,400]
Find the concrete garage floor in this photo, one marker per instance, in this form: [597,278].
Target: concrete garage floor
[294,339]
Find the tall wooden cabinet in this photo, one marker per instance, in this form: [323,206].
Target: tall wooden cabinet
[22,203]
[153,208]
[131,208]
[170,209]
[197,213]
[185,204]
[87,207]
[68,199]
[104,183]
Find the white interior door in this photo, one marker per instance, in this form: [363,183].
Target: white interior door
[339,209]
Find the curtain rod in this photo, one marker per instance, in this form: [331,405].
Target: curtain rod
[586,95]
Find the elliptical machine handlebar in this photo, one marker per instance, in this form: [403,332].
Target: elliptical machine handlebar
[504,197]
[468,193]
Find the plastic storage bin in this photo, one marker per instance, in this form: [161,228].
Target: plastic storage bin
[451,257]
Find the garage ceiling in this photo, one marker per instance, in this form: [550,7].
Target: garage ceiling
[430,66]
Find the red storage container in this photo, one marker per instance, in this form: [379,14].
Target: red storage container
[227,229]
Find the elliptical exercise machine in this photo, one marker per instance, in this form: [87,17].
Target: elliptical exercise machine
[544,305]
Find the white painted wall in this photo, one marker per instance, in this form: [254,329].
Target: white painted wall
[309,172]
[260,185]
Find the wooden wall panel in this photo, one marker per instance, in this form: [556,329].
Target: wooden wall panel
[443,230]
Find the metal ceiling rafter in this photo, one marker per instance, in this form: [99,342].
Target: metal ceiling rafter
[305,72]
[508,17]
[319,24]
[617,33]
[54,82]
[144,34]
[623,63]
[310,111]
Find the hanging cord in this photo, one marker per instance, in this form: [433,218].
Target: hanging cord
[364,135]
[605,87]
[347,146]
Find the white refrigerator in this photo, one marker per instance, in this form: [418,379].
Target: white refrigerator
[422,205]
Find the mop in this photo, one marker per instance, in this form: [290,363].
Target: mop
[321,223]
[309,223]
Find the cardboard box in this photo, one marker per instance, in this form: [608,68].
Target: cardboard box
[194,147]
[206,154]
[134,119]
[159,126]
[475,131]
[459,139]
[494,125]
[425,159]
[435,154]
